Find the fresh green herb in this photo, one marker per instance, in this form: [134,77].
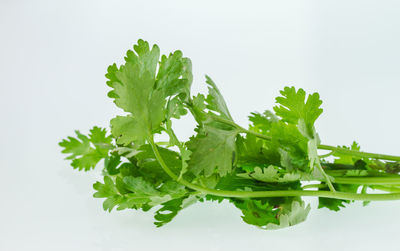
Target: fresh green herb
[264,171]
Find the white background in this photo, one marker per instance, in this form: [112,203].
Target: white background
[53,57]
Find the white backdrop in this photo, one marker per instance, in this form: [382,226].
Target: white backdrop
[53,57]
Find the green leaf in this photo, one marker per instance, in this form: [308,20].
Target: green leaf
[292,213]
[252,151]
[273,213]
[215,101]
[142,91]
[149,168]
[345,158]
[199,102]
[175,75]
[292,146]
[212,150]
[109,191]
[274,155]
[111,163]
[140,186]
[170,209]
[336,204]
[136,192]
[167,212]
[356,173]
[175,108]
[234,182]
[185,153]
[146,193]
[392,167]
[105,190]
[146,157]
[270,174]
[257,213]
[126,130]
[185,156]
[86,151]
[293,107]
[262,123]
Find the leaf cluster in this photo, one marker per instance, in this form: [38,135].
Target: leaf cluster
[278,152]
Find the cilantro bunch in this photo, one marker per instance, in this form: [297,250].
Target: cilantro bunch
[264,170]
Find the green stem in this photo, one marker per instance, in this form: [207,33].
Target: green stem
[327,178]
[265,137]
[359,154]
[255,194]
[321,146]
[367,180]
[195,113]
[162,143]
[325,155]
[386,189]
[241,129]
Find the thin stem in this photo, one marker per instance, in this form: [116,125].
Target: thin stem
[327,178]
[367,180]
[325,155]
[162,143]
[359,154]
[386,189]
[241,129]
[255,194]
[258,135]
[321,146]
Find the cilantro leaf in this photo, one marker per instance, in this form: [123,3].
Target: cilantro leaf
[219,147]
[271,174]
[215,101]
[142,92]
[336,204]
[294,109]
[292,146]
[258,213]
[292,213]
[262,122]
[273,213]
[260,169]
[136,193]
[87,151]
[170,209]
[252,151]
[107,190]
[346,159]
[167,212]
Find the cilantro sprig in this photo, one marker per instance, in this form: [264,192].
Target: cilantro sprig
[264,170]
